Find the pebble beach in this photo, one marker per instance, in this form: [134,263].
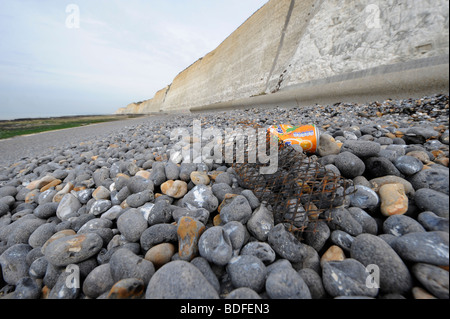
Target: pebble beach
[124,215]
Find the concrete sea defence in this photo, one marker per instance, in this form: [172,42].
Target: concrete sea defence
[295,53]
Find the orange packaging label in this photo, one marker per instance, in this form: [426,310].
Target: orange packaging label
[307,136]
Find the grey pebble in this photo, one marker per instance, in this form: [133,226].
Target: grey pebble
[180,280]
[41,235]
[68,207]
[399,225]
[342,239]
[372,250]
[430,221]
[341,219]
[261,222]
[201,196]
[38,268]
[424,247]
[346,278]
[314,283]
[286,245]
[238,235]
[243,293]
[220,190]
[317,234]
[433,278]
[13,263]
[125,264]
[380,166]
[61,290]
[361,148]
[72,249]
[251,198]
[215,246]
[203,265]
[157,234]
[247,271]
[46,210]
[434,179]
[161,213]
[408,165]
[430,200]
[27,288]
[368,223]
[363,197]
[100,206]
[286,283]
[201,214]
[261,250]
[238,209]
[349,165]
[172,171]
[139,199]
[132,224]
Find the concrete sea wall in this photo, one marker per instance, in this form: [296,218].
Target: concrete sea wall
[293,52]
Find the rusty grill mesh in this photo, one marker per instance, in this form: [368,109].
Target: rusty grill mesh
[299,191]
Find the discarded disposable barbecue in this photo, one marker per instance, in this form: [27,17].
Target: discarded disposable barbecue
[299,191]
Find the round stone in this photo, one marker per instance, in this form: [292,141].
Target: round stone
[424,247]
[286,283]
[408,165]
[341,219]
[399,225]
[68,206]
[243,293]
[433,278]
[261,250]
[131,225]
[368,223]
[435,179]
[98,281]
[13,263]
[247,271]
[363,197]
[215,246]
[189,231]
[361,148]
[238,235]
[314,283]
[100,206]
[179,280]
[393,199]
[238,209]
[346,278]
[125,264]
[129,288]
[349,165]
[175,189]
[157,234]
[160,254]
[72,249]
[199,178]
[260,223]
[430,200]
[286,245]
[431,221]
[393,274]
[201,196]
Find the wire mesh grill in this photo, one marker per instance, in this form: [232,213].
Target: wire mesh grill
[299,191]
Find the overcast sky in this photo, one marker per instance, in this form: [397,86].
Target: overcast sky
[123,51]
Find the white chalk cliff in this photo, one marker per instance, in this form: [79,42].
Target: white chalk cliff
[297,50]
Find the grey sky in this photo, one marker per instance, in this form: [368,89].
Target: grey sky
[123,52]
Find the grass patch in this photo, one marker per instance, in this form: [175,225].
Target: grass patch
[19,127]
